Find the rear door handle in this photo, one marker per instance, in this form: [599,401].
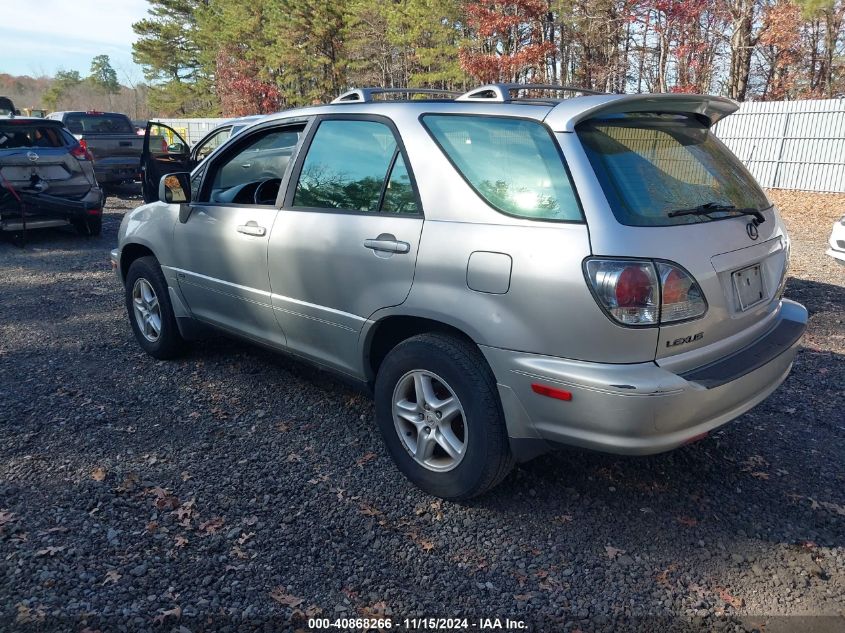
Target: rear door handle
[387,245]
[252,228]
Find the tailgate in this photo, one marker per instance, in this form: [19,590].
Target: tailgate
[121,148]
[52,170]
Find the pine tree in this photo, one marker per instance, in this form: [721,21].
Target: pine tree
[168,50]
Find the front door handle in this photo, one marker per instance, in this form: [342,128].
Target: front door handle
[252,228]
[387,244]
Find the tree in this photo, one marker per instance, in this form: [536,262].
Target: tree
[168,50]
[508,40]
[62,83]
[103,77]
[825,64]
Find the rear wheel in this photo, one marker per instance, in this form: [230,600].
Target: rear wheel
[439,413]
[149,310]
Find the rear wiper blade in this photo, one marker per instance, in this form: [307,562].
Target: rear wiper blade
[715,207]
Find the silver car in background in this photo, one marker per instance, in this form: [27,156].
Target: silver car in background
[508,272]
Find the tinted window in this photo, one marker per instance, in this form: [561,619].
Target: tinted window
[399,193]
[514,164]
[212,143]
[264,156]
[649,165]
[84,123]
[17,136]
[346,166]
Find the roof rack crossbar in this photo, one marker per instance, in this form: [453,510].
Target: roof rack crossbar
[365,95]
[501,93]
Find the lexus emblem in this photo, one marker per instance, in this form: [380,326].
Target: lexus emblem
[751,229]
[32,156]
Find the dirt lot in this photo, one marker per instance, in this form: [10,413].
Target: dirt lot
[237,490]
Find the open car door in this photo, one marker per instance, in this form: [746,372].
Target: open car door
[165,152]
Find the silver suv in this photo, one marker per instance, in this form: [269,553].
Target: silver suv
[507,272]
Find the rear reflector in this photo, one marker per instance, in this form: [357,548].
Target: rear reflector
[551,392]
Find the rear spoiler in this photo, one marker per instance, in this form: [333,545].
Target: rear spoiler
[570,112]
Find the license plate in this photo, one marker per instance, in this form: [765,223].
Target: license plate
[749,286]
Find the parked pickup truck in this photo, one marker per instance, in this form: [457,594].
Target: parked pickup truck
[111,139]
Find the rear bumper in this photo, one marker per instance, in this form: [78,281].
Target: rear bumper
[639,408]
[47,210]
[117,171]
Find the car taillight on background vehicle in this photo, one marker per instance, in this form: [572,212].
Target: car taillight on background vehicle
[644,293]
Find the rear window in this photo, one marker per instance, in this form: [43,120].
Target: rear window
[85,123]
[18,136]
[514,164]
[650,165]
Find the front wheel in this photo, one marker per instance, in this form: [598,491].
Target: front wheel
[439,413]
[149,310]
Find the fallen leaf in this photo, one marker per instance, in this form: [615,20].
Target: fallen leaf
[152,526]
[112,577]
[687,521]
[426,545]
[759,474]
[28,614]
[130,482]
[293,457]
[563,519]
[284,427]
[278,594]
[250,520]
[7,517]
[175,613]
[51,550]
[180,541]
[368,511]
[613,552]
[245,537]
[365,458]
[98,474]
[213,525]
[523,597]
[735,602]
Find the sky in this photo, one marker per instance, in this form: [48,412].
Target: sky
[43,36]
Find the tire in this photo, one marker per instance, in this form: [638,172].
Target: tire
[145,274]
[454,366]
[89,226]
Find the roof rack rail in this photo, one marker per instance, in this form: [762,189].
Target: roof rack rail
[365,95]
[501,93]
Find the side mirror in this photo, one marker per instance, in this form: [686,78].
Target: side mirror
[176,148]
[175,188]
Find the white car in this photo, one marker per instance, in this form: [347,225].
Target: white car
[837,241]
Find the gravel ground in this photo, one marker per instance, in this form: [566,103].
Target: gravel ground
[237,490]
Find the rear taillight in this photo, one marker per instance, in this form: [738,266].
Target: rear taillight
[680,296]
[643,292]
[81,151]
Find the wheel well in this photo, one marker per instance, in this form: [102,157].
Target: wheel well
[391,331]
[129,254]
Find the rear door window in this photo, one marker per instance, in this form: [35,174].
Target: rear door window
[652,164]
[514,164]
[355,165]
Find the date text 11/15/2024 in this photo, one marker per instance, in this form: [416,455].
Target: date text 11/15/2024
[417,624]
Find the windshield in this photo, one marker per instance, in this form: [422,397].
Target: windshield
[650,165]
